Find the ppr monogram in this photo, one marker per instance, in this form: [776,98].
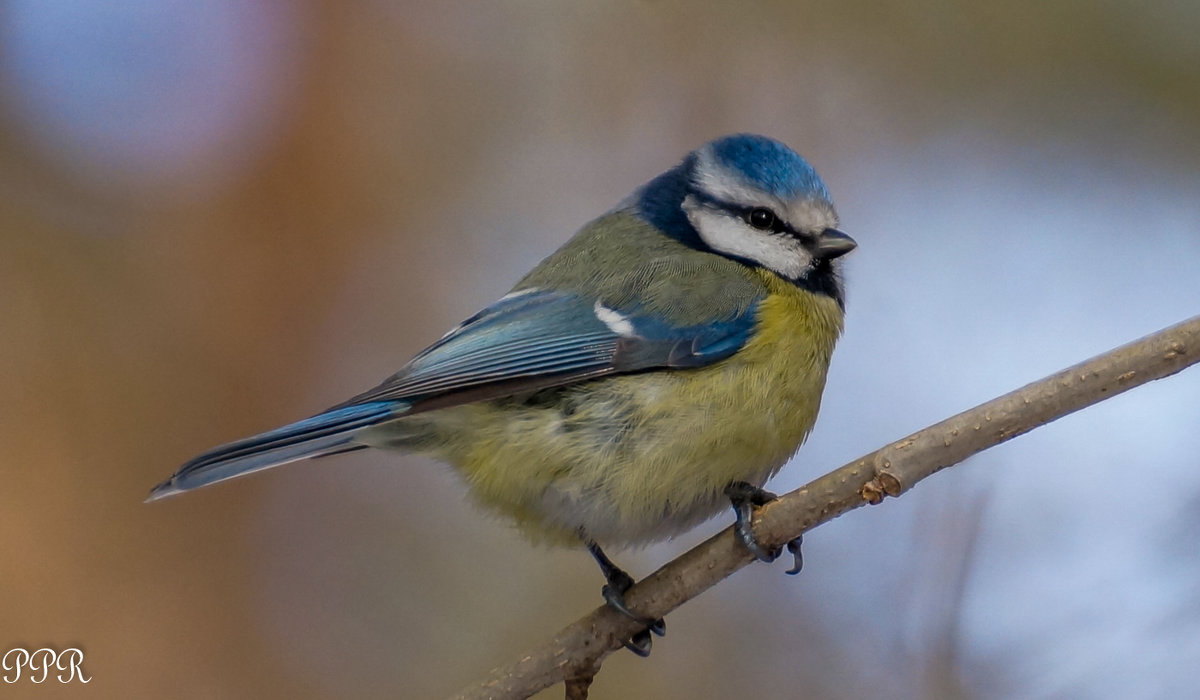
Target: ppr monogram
[41,663]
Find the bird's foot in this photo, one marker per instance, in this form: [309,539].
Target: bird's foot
[745,497]
[614,595]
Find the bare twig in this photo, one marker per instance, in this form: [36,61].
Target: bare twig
[577,650]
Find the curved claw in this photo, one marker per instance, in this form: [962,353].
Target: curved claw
[658,627]
[797,556]
[744,497]
[745,533]
[640,643]
[616,601]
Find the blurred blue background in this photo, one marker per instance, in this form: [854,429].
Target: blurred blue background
[216,217]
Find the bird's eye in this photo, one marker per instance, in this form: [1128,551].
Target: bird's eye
[762,219]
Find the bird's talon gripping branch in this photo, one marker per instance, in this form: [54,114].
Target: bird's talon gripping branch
[745,497]
[746,534]
[614,595]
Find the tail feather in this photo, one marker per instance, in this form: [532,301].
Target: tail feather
[324,434]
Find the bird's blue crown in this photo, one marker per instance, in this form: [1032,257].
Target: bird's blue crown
[769,166]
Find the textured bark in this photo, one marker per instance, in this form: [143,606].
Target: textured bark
[575,653]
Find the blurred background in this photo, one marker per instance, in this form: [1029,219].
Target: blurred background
[217,217]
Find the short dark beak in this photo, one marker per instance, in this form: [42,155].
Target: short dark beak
[832,243]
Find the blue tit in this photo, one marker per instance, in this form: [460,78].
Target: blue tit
[659,366]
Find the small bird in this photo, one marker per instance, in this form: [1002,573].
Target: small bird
[657,368]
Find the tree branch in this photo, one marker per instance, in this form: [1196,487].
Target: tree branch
[577,650]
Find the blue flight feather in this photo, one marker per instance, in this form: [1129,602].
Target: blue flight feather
[324,434]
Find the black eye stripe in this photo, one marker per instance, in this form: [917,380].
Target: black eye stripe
[745,213]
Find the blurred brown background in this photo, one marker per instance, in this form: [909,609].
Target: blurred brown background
[218,217]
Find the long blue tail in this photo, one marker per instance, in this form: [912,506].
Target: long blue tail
[324,434]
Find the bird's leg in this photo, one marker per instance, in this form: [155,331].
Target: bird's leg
[614,595]
[745,497]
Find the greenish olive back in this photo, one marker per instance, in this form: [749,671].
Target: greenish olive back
[625,263]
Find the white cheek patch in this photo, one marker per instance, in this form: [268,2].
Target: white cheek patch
[727,234]
[616,322]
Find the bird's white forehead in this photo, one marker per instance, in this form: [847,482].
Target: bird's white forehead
[803,213]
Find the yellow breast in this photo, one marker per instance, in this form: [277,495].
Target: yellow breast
[739,420]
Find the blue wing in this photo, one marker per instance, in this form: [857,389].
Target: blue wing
[530,340]
[537,338]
